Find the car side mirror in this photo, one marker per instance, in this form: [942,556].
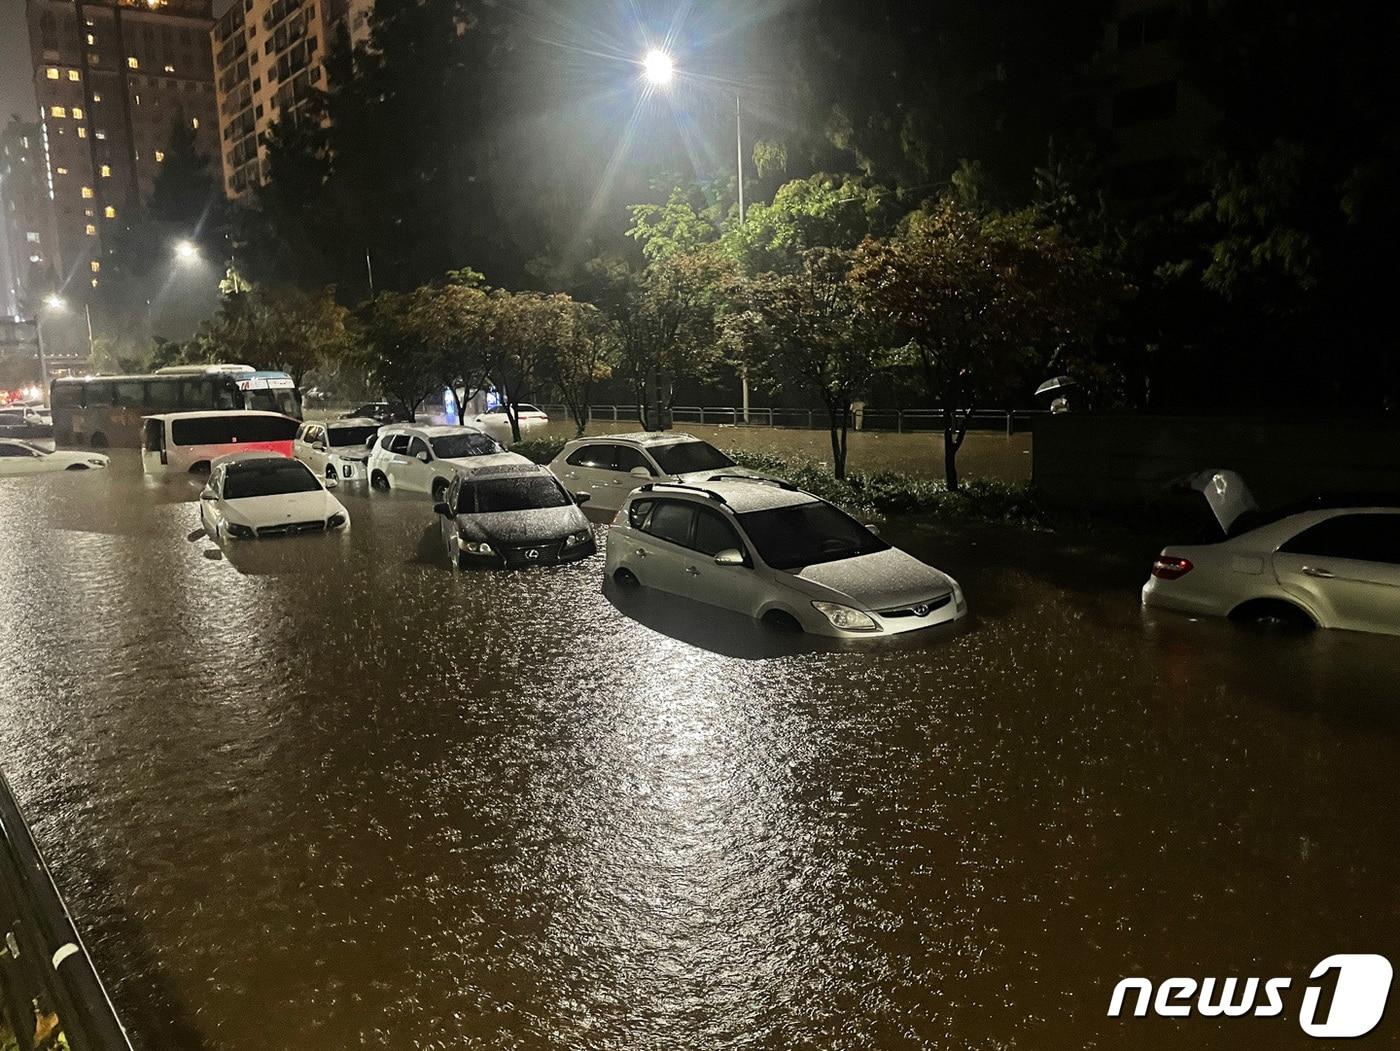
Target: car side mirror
[332,483]
[582,498]
[872,528]
[206,493]
[639,472]
[442,509]
[730,556]
[425,457]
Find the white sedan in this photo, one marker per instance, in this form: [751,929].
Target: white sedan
[19,457]
[496,423]
[1330,564]
[262,494]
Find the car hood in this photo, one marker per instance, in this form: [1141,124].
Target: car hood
[65,456]
[467,464]
[701,477]
[259,511]
[880,580]
[538,525]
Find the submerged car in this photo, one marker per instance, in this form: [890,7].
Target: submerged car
[496,423]
[337,449]
[25,421]
[780,555]
[380,411]
[611,466]
[510,517]
[19,457]
[1329,563]
[256,495]
[427,459]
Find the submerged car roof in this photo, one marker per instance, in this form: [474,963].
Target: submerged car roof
[509,470]
[353,421]
[640,438]
[737,493]
[244,459]
[441,430]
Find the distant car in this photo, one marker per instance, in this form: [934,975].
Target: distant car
[336,449]
[609,467]
[19,457]
[24,421]
[382,411]
[775,553]
[496,423]
[256,495]
[1332,563]
[427,459]
[513,517]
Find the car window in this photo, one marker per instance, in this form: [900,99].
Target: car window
[639,513]
[342,437]
[685,457]
[466,443]
[1362,537]
[670,521]
[599,456]
[629,457]
[713,534]
[417,447]
[274,476]
[130,394]
[97,394]
[14,450]
[397,443]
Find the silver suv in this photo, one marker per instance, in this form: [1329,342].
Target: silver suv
[610,466]
[780,555]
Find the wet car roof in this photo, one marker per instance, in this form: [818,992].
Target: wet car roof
[738,496]
[641,438]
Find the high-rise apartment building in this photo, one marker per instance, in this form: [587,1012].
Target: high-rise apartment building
[26,220]
[268,59]
[111,77]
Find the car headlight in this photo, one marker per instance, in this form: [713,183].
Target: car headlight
[336,520]
[574,539]
[475,547]
[98,463]
[844,617]
[239,532]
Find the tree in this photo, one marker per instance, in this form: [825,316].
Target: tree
[972,299]
[817,336]
[585,356]
[396,357]
[284,329]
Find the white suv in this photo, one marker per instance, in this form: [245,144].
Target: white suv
[337,448]
[777,554]
[426,459]
[609,467]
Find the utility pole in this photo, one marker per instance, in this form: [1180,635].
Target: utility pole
[739,171]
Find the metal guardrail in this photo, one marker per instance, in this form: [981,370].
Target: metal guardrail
[48,985]
[900,421]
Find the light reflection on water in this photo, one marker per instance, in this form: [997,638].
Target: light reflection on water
[326,793]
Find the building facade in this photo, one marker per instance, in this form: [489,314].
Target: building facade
[269,58]
[26,221]
[111,77]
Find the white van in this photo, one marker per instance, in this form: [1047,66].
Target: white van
[180,442]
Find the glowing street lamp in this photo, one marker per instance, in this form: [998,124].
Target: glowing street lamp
[658,68]
[54,301]
[186,251]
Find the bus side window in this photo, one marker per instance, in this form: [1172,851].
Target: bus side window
[130,393]
[195,394]
[98,394]
[162,394]
[67,395]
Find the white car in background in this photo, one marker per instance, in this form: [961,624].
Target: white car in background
[20,457]
[609,467]
[336,448]
[257,495]
[496,423]
[775,553]
[426,459]
[1330,564]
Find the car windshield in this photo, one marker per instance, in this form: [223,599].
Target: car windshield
[493,495]
[268,478]
[470,443]
[685,457]
[343,436]
[807,535]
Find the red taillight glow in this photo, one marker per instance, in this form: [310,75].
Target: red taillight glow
[1171,567]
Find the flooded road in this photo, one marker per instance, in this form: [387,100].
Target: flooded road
[329,794]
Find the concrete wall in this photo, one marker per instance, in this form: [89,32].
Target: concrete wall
[1087,460]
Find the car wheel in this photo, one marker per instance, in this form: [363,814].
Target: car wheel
[627,580]
[202,467]
[776,620]
[330,472]
[379,481]
[1273,615]
[440,490]
[76,467]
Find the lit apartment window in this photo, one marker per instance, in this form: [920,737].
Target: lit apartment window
[194,123]
[77,113]
[170,69]
[101,134]
[73,75]
[131,62]
[51,73]
[91,230]
[96,96]
[94,266]
[94,282]
[32,236]
[160,156]
[106,171]
[88,213]
[61,171]
[82,133]
[87,193]
[91,39]
[58,111]
[109,212]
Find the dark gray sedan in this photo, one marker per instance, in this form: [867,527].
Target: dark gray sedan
[513,516]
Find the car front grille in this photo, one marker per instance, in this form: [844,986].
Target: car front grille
[917,609]
[531,554]
[293,528]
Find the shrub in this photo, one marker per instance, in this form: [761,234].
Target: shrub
[538,450]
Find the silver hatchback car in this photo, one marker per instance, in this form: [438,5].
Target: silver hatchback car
[780,555]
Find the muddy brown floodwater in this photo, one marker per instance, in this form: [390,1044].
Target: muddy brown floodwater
[329,794]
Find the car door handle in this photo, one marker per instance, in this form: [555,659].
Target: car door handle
[1318,571]
[692,571]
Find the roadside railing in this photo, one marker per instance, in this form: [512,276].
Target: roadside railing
[899,421]
[50,995]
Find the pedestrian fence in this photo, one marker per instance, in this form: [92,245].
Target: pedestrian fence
[898,421]
[50,996]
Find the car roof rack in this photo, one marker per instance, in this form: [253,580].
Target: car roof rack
[710,493]
[761,479]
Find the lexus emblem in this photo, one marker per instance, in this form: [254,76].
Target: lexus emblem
[921,610]
[532,553]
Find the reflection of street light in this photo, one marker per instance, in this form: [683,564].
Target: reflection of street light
[658,68]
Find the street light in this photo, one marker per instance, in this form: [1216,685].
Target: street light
[658,68]
[186,251]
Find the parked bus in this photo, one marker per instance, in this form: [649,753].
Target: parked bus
[101,411]
[181,442]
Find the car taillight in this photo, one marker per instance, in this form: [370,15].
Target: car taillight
[1171,567]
